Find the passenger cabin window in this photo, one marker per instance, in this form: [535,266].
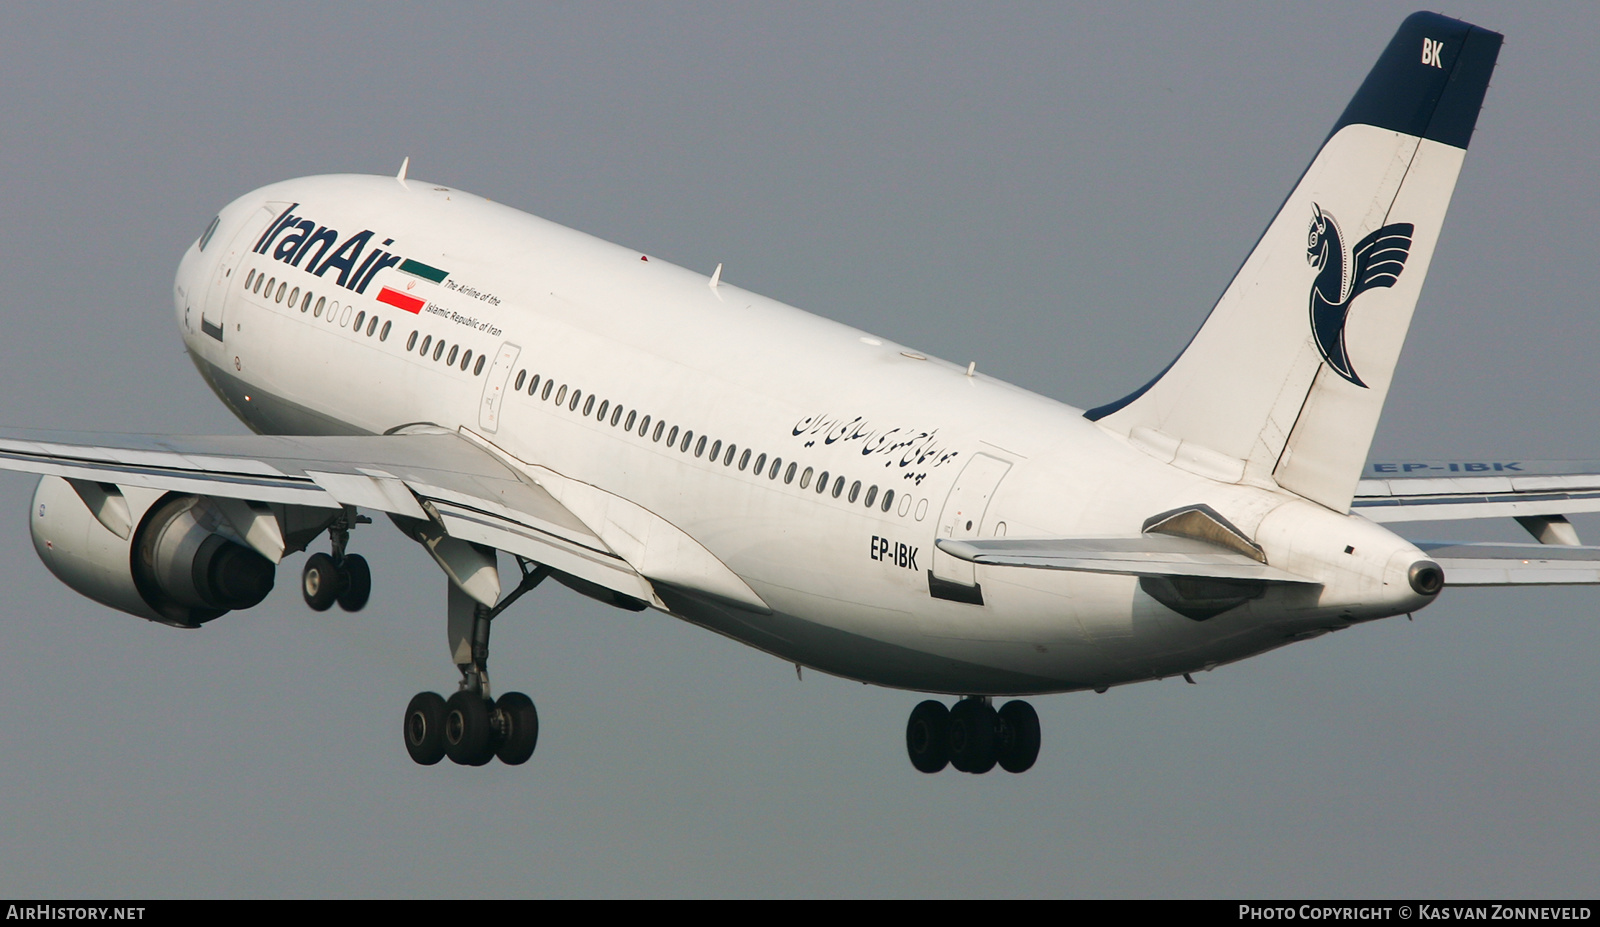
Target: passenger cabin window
[411,343]
[805,478]
[522,377]
[822,483]
[888,499]
[438,351]
[548,385]
[872,496]
[478,368]
[628,425]
[361,318]
[384,335]
[466,359]
[855,490]
[573,405]
[317,312]
[249,278]
[588,406]
[533,385]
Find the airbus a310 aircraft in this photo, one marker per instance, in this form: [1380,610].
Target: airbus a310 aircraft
[494,383]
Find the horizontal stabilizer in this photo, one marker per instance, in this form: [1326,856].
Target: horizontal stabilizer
[1153,556]
[1437,490]
[1515,564]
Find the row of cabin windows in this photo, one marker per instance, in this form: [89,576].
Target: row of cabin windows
[685,440]
[257,282]
[446,353]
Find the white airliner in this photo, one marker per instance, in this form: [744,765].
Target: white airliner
[654,438]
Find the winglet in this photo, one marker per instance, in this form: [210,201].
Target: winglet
[403,165]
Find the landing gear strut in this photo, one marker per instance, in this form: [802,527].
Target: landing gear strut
[471,727]
[972,736]
[337,577]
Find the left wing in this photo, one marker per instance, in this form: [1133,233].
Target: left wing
[454,490]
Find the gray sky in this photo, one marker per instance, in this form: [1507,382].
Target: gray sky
[1057,192]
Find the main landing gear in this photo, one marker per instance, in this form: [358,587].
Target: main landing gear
[337,577]
[972,736]
[471,727]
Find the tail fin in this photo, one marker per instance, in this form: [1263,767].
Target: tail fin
[1286,378]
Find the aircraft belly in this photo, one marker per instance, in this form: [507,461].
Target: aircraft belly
[806,629]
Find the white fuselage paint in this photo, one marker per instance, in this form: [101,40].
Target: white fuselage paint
[848,585]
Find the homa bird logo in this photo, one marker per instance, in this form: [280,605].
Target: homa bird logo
[356,264]
[1376,261]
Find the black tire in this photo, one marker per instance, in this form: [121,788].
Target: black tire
[356,587]
[519,728]
[1019,737]
[467,739]
[927,740]
[972,736]
[424,728]
[319,582]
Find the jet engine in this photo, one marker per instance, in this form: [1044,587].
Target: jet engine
[169,557]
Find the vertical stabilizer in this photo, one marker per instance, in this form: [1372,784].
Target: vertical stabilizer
[1287,377]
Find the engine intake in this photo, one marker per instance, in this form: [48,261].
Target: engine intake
[173,561]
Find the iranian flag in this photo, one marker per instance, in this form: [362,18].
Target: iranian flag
[400,299]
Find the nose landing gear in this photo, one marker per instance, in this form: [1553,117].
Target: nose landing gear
[972,736]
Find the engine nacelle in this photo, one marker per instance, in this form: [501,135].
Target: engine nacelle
[167,557]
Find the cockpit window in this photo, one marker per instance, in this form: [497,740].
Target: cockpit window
[205,237]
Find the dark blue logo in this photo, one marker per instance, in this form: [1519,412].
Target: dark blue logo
[1376,261]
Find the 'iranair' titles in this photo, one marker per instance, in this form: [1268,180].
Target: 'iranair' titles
[304,243]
